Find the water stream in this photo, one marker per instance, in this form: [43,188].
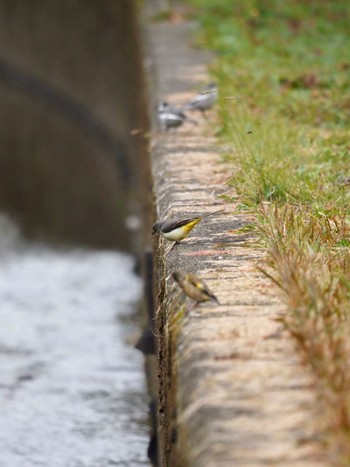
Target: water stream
[71,386]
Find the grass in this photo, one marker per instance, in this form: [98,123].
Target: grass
[283,70]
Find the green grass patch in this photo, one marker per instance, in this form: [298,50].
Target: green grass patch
[283,70]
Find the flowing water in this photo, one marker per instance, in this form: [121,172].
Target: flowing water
[71,387]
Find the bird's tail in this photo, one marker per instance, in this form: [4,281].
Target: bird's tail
[212,213]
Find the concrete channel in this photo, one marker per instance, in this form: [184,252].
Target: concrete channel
[72,387]
[229,385]
[226,384]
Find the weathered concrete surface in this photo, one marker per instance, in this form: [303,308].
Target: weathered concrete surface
[232,391]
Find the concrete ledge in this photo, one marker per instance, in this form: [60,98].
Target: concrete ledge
[231,388]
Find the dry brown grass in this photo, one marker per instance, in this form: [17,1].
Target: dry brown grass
[307,261]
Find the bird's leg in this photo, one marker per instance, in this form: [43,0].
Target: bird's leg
[174,245]
[193,306]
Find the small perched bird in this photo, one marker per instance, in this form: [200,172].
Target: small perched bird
[170,116]
[194,287]
[176,230]
[204,100]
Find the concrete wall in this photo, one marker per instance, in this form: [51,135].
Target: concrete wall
[71,93]
[231,390]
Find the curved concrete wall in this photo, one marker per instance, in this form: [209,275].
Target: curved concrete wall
[70,97]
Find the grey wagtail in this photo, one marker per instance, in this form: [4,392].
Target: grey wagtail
[170,116]
[194,287]
[176,230]
[204,100]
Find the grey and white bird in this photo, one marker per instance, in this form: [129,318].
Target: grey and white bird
[170,116]
[205,100]
[176,230]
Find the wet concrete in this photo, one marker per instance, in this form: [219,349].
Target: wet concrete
[71,386]
[72,115]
